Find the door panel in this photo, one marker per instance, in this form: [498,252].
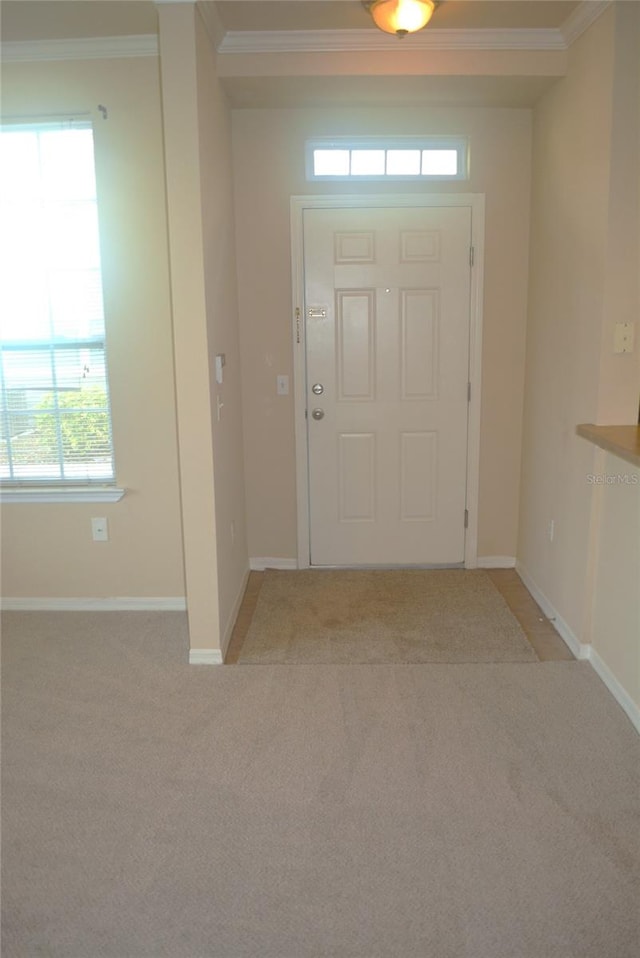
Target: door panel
[355,322]
[387,295]
[419,322]
[357,477]
[418,474]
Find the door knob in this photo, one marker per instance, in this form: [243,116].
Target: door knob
[317,389]
[318,413]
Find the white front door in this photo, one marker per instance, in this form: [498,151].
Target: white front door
[387,304]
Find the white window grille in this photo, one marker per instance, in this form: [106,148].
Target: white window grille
[394,158]
[55,419]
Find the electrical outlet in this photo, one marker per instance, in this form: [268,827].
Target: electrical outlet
[100,530]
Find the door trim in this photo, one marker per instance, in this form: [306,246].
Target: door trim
[476,203]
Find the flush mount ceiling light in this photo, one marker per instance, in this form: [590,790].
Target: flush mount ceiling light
[400,16]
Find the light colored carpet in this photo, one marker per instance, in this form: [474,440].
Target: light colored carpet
[157,810]
[379,617]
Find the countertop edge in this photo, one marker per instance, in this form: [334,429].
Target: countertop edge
[622,441]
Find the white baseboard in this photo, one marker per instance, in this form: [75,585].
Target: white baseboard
[260,563]
[619,693]
[115,604]
[582,650]
[496,562]
[231,621]
[578,648]
[205,657]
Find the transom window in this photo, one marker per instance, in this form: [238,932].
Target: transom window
[399,158]
[55,422]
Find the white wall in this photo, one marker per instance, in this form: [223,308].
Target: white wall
[177,43]
[165,200]
[615,592]
[581,281]
[216,178]
[619,377]
[268,154]
[571,134]
[47,550]
[201,229]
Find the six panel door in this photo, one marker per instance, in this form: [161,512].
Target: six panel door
[387,300]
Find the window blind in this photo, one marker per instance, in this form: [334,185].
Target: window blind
[55,422]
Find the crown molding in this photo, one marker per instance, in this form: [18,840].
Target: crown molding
[85,48]
[311,41]
[582,18]
[327,41]
[212,22]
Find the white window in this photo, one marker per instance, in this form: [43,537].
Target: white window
[395,158]
[55,421]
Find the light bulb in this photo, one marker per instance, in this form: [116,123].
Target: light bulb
[401,16]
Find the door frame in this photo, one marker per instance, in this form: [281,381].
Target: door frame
[476,204]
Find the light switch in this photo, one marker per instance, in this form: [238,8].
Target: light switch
[283,385]
[623,338]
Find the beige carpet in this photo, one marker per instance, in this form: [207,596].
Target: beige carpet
[378,617]
[153,809]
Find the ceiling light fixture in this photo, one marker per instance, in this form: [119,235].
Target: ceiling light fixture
[401,16]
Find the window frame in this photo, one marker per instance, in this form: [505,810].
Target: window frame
[458,143]
[70,489]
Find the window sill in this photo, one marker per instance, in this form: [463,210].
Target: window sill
[62,494]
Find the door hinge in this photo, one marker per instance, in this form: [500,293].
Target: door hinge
[306,414]
[466,518]
[468,392]
[472,255]
[297,324]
